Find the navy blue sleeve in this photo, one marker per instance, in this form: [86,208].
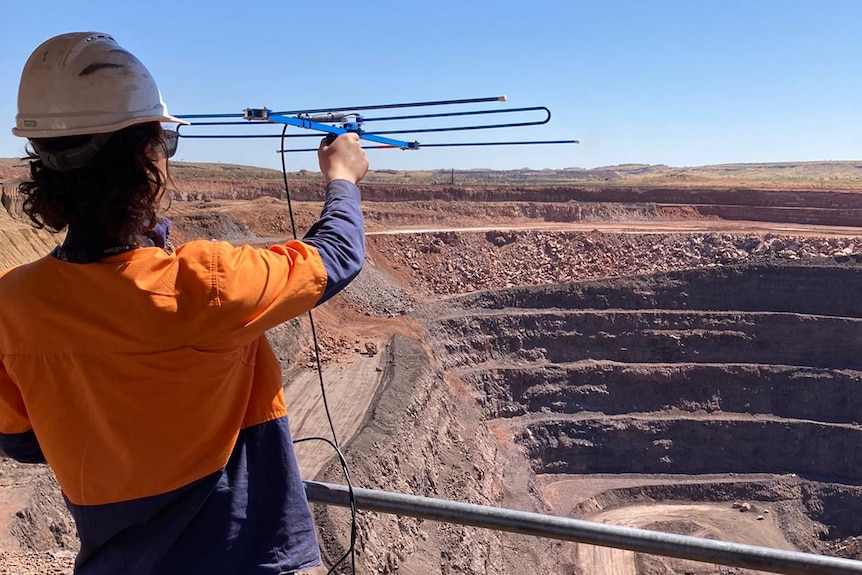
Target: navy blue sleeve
[339,236]
[23,447]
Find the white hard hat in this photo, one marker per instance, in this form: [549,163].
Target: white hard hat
[85,83]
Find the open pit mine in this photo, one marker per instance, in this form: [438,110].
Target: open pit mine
[679,358]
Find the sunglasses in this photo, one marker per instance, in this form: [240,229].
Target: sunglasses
[171,138]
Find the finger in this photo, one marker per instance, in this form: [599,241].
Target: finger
[327,141]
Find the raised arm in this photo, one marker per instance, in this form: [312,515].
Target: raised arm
[339,233]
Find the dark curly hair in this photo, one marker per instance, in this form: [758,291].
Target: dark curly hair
[118,188]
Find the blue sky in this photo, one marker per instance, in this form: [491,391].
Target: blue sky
[682,83]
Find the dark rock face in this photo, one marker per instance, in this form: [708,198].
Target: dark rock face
[793,392]
[694,446]
[752,369]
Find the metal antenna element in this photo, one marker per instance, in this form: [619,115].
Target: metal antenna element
[336,121]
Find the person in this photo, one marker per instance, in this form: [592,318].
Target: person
[144,378]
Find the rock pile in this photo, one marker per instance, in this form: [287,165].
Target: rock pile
[447,263]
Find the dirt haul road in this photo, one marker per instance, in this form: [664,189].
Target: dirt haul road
[350,389]
[720,522]
[651,227]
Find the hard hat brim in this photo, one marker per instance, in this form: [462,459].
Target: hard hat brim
[58,127]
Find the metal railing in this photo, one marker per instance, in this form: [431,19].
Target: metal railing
[580,531]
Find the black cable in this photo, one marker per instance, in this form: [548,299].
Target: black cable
[351,551]
[352,498]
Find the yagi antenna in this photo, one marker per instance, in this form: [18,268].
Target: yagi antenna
[335,121]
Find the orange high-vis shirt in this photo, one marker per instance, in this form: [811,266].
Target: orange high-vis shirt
[114,424]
